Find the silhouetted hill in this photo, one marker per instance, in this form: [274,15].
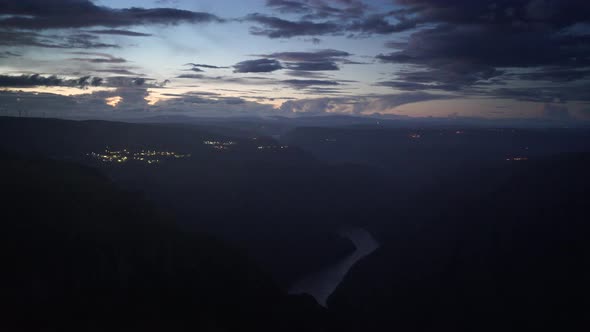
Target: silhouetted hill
[513,258]
[277,203]
[417,157]
[66,139]
[82,255]
[480,229]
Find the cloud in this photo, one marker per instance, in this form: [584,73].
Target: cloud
[324,91]
[315,56]
[556,74]
[319,60]
[412,86]
[300,84]
[120,33]
[6,54]
[40,80]
[543,94]
[274,27]
[228,79]
[126,81]
[313,66]
[30,80]
[306,74]
[192,76]
[356,105]
[39,15]
[133,105]
[378,24]
[200,65]
[34,39]
[314,9]
[257,66]
[98,58]
[466,46]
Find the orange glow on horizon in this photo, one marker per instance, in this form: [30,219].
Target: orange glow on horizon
[113,101]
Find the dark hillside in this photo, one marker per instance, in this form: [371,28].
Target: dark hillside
[84,255]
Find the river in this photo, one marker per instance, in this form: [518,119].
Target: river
[323,283]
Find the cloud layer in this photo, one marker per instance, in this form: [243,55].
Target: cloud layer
[39,15]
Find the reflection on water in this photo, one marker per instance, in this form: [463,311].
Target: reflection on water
[323,283]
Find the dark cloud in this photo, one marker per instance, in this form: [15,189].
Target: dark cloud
[413,86]
[555,13]
[86,81]
[306,74]
[40,80]
[39,14]
[228,79]
[7,54]
[319,60]
[324,91]
[200,65]
[313,66]
[379,24]
[30,80]
[318,9]
[492,46]
[27,38]
[98,58]
[257,66]
[556,74]
[314,40]
[129,82]
[120,33]
[300,84]
[192,76]
[287,6]
[543,94]
[96,81]
[274,27]
[465,45]
[84,40]
[320,56]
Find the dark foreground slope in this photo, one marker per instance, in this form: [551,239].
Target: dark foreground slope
[81,255]
[514,258]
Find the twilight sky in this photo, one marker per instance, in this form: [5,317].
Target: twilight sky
[525,59]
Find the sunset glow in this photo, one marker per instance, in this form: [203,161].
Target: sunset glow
[113,101]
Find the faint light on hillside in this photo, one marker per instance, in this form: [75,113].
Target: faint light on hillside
[113,101]
[517,159]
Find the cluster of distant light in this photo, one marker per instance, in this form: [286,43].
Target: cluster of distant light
[418,136]
[220,145]
[273,147]
[146,156]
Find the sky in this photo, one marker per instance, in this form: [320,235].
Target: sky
[113,59]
